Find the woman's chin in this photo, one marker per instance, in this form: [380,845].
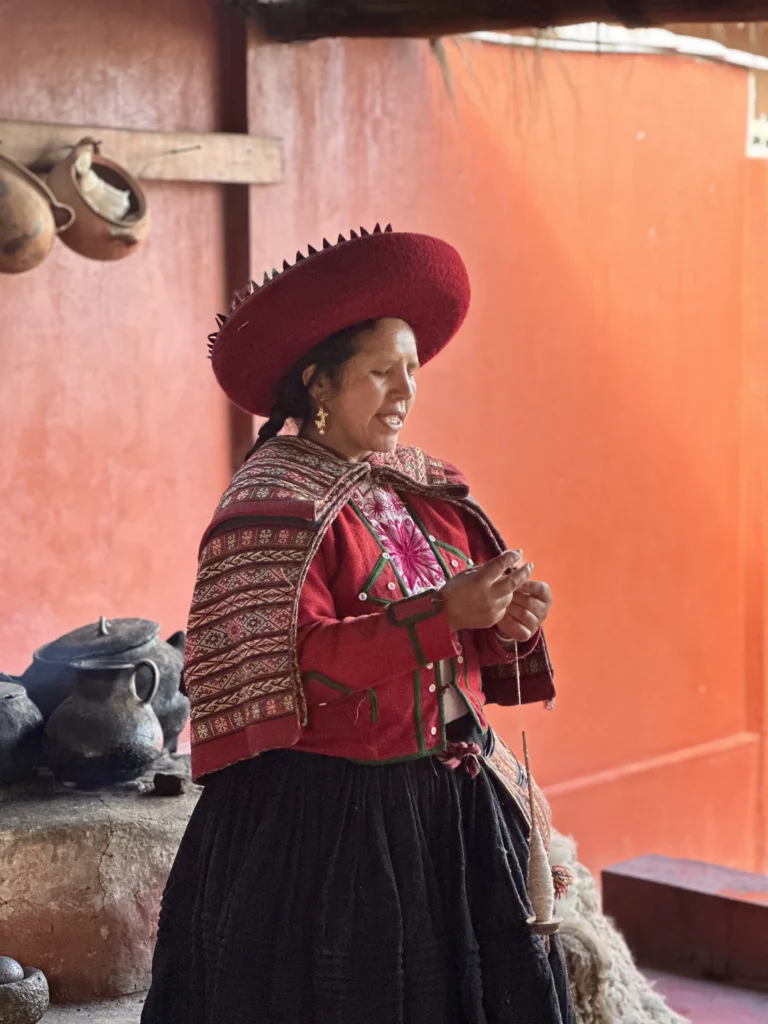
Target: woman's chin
[386,444]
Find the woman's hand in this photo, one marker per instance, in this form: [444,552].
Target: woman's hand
[526,611]
[479,597]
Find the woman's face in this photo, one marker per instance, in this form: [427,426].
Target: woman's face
[377,392]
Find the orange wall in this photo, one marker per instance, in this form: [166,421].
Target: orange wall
[596,394]
[755,478]
[113,436]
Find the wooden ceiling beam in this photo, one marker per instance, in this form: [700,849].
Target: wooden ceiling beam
[294,20]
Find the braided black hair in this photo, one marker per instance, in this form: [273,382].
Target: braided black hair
[292,398]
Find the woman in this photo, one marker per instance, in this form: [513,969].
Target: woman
[359,852]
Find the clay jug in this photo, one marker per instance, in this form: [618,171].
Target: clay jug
[51,677]
[105,733]
[104,228]
[30,218]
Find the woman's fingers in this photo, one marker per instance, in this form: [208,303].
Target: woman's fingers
[499,592]
[523,617]
[515,631]
[537,589]
[532,604]
[510,581]
[499,568]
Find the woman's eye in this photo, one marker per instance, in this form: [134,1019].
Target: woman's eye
[379,373]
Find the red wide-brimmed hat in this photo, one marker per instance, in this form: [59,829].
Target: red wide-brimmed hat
[415,278]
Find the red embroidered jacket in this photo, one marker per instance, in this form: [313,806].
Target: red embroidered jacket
[371,658]
[299,634]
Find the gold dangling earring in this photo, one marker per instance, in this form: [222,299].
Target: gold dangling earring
[321,420]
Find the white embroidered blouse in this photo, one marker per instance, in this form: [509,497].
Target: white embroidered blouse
[412,557]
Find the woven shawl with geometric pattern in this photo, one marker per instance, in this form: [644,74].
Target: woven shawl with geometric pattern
[241,668]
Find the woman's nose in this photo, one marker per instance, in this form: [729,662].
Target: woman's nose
[403,386]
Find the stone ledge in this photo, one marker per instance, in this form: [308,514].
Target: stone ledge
[83,875]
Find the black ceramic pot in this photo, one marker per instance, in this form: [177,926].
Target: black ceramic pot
[51,677]
[105,732]
[21,732]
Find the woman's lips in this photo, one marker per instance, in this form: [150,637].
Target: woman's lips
[393,421]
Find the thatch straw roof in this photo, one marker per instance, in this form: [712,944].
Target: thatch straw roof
[293,20]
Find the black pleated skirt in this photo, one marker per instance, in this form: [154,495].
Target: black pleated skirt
[313,890]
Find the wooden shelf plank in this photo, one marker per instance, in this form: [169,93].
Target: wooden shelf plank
[154,156]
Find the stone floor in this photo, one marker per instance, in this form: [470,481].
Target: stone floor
[704,1002]
[120,1011]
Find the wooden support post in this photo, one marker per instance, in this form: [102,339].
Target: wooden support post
[233,115]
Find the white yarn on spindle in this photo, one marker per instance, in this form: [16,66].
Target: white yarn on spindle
[541,888]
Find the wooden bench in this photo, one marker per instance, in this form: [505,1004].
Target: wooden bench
[691,918]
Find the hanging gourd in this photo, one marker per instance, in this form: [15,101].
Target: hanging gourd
[30,218]
[112,219]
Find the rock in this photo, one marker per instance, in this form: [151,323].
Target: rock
[80,885]
[169,785]
[10,970]
[24,1001]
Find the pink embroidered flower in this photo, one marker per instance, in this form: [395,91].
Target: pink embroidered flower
[382,505]
[411,554]
[377,504]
